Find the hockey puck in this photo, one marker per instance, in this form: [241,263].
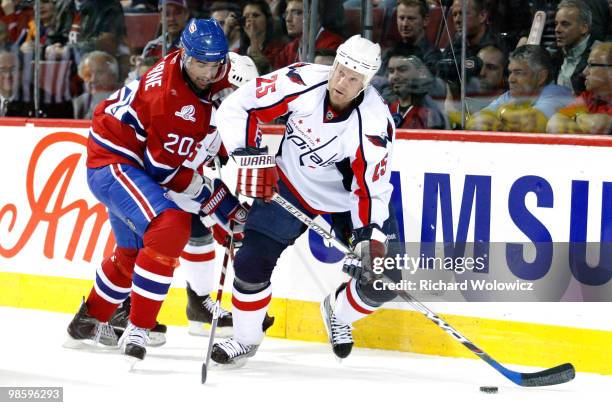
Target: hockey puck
[489,390]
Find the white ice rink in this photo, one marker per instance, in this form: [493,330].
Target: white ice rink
[284,373]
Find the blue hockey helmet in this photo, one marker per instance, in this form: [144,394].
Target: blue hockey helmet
[204,40]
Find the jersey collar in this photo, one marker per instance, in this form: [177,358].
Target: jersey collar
[330,115]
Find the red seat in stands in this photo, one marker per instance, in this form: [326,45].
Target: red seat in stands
[141,28]
[353,22]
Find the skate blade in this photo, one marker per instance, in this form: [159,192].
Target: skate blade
[131,363]
[236,364]
[89,345]
[156,339]
[203,329]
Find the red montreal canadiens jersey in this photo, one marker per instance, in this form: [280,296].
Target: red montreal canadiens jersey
[157,123]
[333,162]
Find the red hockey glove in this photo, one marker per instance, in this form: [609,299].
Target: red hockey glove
[257,174]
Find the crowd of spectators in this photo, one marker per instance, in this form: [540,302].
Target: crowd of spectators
[89,48]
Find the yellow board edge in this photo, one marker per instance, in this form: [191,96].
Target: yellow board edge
[508,341]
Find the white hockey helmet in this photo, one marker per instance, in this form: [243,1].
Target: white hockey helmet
[242,69]
[360,55]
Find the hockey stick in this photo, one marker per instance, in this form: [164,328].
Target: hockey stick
[229,253]
[229,248]
[556,375]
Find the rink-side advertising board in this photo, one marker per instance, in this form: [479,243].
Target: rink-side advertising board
[536,209]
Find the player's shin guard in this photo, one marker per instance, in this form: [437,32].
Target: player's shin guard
[112,284]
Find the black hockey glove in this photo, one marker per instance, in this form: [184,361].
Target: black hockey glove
[369,243]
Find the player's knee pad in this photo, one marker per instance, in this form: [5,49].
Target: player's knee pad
[168,233]
[257,257]
[124,260]
[200,235]
[202,240]
[250,287]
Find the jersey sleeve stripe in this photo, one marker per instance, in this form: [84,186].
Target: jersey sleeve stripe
[359,167]
[122,151]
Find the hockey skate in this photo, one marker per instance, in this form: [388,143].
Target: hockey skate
[120,319]
[134,342]
[339,334]
[230,352]
[84,331]
[200,312]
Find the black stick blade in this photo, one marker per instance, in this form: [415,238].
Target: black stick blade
[556,375]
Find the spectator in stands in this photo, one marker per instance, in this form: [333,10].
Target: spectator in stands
[100,74]
[411,81]
[325,56]
[600,27]
[177,16]
[592,111]
[28,35]
[492,79]
[412,19]
[5,44]
[512,18]
[573,34]
[88,25]
[141,66]
[15,14]
[8,74]
[479,33]
[228,15]
[484,87]
[294,20]
[258,41]
[532,97]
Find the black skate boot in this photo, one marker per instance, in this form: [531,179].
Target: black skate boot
[229,351]
[339,334]
[134,342]
[120,319]
[200,312]
[85,330]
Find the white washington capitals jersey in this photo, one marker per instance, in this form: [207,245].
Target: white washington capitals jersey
[333,162]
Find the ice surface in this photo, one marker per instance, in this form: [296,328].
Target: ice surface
[284,373]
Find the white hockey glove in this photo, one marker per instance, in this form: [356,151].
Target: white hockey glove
[368,243]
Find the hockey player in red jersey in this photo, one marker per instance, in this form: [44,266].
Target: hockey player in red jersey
[197,261]
[335,158]
[141,142]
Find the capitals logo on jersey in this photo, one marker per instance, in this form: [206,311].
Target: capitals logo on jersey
[384,138]
[294,76]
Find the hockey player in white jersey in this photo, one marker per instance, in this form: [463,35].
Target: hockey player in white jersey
[335,158]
